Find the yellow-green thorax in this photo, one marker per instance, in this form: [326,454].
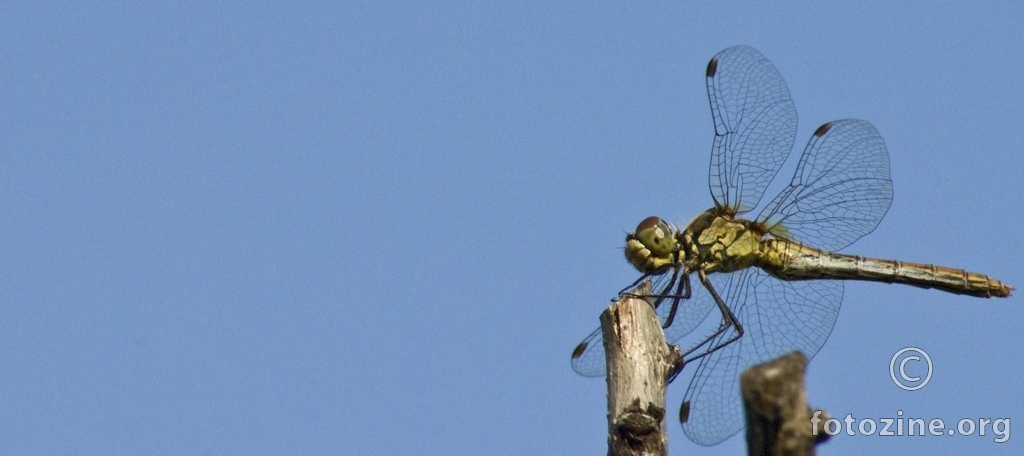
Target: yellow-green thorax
[714,241]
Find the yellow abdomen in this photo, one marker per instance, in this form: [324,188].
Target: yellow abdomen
[791,260]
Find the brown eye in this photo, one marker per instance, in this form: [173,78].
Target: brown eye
[656,236]
[648,223]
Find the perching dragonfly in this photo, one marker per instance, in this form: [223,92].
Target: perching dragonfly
[774,278]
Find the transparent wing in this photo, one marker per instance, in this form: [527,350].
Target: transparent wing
[778,317]
[841,189]
[755,125]
[591,361]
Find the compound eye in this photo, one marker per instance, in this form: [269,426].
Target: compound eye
[649,222]
[656,236]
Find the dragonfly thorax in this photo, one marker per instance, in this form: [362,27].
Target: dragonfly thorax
[653,247]
[716,241]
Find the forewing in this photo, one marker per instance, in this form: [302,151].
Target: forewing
[778,317]
[755,124]
[591,361]
[841,189]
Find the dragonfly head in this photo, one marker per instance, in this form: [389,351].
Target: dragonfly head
[652,247]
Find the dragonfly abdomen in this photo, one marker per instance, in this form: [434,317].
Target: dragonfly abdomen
[790,260]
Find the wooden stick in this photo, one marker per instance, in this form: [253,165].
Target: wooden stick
[778,419]
[639,363]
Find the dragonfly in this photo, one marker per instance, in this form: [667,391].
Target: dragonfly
[774,278]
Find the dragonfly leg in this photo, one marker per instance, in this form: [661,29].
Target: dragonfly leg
[676,369]
[628,291]
[684,284]
[665,292]
[623,293]
[728,319]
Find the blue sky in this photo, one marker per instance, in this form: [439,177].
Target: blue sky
[262,228]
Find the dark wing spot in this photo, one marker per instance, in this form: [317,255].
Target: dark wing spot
[684,412]
[822,130]
[712,67]
[579,350]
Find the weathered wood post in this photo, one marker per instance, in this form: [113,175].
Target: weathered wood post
[639,364]
[775,403]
